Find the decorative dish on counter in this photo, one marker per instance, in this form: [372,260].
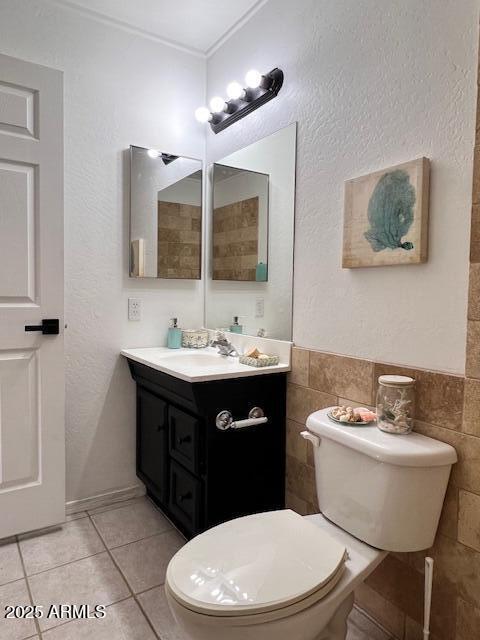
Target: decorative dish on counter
[255,358]
[360,416]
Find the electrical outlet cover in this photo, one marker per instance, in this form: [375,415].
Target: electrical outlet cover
[134,309]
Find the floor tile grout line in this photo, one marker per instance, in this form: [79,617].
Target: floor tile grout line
[126,582]
[29,591]
[65,564]
[155,586]
[152,535]
[4,584]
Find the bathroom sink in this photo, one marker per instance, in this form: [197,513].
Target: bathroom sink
[197,365]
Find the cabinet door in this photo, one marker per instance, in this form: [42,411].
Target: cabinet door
[152,451]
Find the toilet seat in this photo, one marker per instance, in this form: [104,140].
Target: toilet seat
[265,563]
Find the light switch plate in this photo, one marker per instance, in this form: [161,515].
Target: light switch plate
[134,309]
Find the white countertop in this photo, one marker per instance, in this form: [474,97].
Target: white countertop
[198,365]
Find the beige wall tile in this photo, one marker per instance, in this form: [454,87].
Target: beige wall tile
[387,614]
[466,472]
[400,584]
[475,234]
[457,567]
[448,524]
[295,503]
[346,402]
[468,621]
[312,507]
[300,365]
[469,520]
[301,480]
[439,398]
[471,407]
[414,630]
[296,445]
[386,369]
[474,292]
[342,376]
[472,366]
[301,402]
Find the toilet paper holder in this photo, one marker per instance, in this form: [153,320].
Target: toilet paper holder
[225,421]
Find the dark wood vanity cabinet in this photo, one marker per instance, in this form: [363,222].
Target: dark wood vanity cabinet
[199,475]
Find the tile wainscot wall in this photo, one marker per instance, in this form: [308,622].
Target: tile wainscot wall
[447,409]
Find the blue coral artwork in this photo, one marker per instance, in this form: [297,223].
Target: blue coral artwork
[386,217]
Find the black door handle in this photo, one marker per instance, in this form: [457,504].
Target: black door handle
[48,327]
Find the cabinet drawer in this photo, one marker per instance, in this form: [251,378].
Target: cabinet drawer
[185,497]
[184,439]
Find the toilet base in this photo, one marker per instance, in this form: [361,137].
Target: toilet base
[337,627]
[304,625]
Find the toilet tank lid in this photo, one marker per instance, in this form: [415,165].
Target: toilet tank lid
[410,450]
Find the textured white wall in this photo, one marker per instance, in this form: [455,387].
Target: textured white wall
[371,84]
[120,89]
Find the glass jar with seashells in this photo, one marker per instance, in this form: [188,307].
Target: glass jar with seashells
[395,404]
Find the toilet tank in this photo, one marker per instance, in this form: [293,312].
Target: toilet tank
[384,489]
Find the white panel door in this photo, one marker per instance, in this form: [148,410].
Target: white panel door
[32,395]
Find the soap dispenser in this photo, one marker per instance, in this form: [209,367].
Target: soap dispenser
[235,327]
[174,337]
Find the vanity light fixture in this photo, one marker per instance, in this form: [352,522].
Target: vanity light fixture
[241,100]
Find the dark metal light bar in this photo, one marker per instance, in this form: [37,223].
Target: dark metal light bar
[236,109]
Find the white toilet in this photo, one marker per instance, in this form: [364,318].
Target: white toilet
[281,576]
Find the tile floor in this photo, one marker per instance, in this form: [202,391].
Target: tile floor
[116,556]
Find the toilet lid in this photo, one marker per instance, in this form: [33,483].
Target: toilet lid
[254,564]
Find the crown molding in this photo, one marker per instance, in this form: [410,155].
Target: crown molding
[125,26]
[235,27]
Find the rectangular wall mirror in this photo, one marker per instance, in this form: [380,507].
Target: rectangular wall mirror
[165,215]
[250,230]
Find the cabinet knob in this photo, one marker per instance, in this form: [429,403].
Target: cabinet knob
[184,439]
[185,496]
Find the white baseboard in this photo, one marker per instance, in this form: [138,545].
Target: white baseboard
[103,499]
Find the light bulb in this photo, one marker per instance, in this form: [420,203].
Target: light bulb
[235,90]
[253,78]
[153,153]
[217,104]
[202,114]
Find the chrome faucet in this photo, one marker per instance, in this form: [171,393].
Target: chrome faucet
[225,348]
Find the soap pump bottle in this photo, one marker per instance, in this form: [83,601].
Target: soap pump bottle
[174,337]
[235,327]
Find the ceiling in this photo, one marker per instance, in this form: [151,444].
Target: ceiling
[196,25]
